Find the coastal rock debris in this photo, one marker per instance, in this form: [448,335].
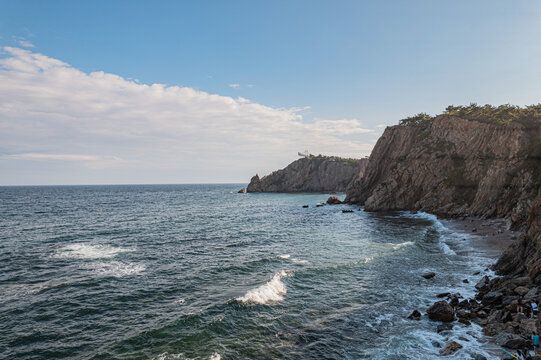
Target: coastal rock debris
[441,311]
[450,348]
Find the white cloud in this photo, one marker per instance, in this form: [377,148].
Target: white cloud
[21,41]
[234,86]
[52,111]
[37,156]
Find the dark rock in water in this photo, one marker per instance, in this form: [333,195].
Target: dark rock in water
[305,206]
[478,357]
[241,191]
[429,275]
[512,341]
[444,327]
[466,281]
[442,295]
[463,338]
[333,200]
[476,273]
[450,348]
[464,321]
[441,311]
[483,283]
[347,211]
[415,315]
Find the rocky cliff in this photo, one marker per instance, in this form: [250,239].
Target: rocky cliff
[453,166]
[311,174]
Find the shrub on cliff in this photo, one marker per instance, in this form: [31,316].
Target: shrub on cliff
[496,114]
[416,120]
[502,114]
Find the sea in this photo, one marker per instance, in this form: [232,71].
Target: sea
[203,272]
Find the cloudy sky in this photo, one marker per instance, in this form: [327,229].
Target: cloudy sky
[210,92]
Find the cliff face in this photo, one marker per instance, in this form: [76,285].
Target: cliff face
[523,257]
[452,166]
[311,174]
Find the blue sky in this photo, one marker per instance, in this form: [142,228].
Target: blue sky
[364,64]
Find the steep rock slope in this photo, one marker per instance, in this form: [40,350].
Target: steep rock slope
[311,174]
[453,166]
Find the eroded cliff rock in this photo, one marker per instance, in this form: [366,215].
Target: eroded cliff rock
[453,166]
[311,174]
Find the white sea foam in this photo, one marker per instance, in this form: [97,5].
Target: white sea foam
[116,269]
[285,256]
[215,356]
[90,251]
[300,261]
[446,249]
[398,246]
[272,291]
[368,259]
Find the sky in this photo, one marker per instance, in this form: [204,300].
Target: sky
[141,92]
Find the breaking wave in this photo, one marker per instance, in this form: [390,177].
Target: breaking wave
[90,251]
[272,291]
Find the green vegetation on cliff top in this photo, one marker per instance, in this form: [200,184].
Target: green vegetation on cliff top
[502,114]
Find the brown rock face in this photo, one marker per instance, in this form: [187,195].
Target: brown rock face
[311,174]
[523,257]
[452,166]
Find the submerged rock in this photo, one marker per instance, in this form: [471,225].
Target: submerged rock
[444,327]
[415,315]
[429,275]
[450,348]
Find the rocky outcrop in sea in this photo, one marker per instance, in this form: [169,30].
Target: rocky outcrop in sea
[311,174]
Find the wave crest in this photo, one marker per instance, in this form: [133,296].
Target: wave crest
[272,291]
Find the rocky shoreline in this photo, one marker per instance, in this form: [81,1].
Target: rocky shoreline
[494,307]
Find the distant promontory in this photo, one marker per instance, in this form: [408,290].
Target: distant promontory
[311,174]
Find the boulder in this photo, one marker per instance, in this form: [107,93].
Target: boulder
[493,329]
[450,348]
[511,341]
[242,191]
[532,294]
[483,283]
[441,311]
[464,321]
[442,295]
[415,315]
[333,200]
[429,275]
[521,290]
[492,297]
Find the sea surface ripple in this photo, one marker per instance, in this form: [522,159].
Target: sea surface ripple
[201,272]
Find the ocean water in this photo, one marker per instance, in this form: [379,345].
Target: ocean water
[201,272]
